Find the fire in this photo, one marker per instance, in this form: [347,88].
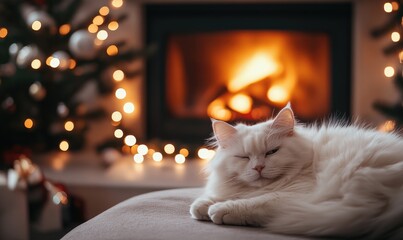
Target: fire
[278,94]
[241,103]
[217,110]
[260,66]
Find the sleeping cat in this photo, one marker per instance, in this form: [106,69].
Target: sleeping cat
[330,180]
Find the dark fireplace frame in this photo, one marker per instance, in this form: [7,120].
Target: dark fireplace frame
[334,19]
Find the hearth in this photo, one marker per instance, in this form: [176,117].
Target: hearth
[243,62]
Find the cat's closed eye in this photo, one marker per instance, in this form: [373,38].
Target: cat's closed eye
[271,152]
[243,157]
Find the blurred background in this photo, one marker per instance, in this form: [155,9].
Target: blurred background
[104,100]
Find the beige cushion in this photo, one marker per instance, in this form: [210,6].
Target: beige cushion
[161,215]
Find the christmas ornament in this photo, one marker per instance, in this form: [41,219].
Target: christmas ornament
[81,44]
[14,49]
[27,54]
[37,91]
[36,19]
[62,110]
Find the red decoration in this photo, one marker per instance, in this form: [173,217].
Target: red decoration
[38,2]
[9,156]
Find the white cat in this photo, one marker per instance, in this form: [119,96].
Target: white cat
[329,180]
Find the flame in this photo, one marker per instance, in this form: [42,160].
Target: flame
[258,67]
[241,103]
[217,110]
[278,94]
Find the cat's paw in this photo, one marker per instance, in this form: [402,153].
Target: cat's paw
[199,209]
[227,213]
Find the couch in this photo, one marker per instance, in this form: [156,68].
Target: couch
[162,215]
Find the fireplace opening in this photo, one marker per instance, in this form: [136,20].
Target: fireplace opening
[245,75]
[244,62]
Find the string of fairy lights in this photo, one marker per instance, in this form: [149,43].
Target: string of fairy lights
[389,71]
[140,152]
[100,31]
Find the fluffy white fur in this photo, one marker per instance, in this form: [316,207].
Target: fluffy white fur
[329,180]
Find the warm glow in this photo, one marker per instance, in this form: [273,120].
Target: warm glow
[102,35]
[116,116]
[169,148]
[278,94]
[120,93]
[395,6]
[202,153]
[28,123]
[54,62]
[142,149]
[222,114]
[216,109]
[391,6]
[184,152]
[241,103]
[133,149]
[205,154]
[258,67]
[64,29]
[128,107]
[113,25]
[3,32]
[98,42]
[157,156]
[36,25]
[180,159]
[388,7]
[118,75]
[64,146]
[130,140]
[98,20]
[112,50]
[72,63]
[118,133]
[117,3]
[395,36]
[138,158]
[92,28]
[69,126]
[60,198]
[389,71]
[104,11]
[48,60]
[36,64]
[401,56]
[387,126]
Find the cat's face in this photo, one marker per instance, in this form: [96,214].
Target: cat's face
[260,154]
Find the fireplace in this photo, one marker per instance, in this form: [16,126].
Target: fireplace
[243,62]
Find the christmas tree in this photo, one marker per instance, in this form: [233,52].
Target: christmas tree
[45,63]
[392,28]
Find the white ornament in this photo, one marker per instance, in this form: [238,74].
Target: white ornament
[14,49]
[81,44]
[45,21]
[27,54]
[37,91]
[64,59]
[62,110]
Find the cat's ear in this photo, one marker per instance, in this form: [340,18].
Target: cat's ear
[285,120]
[223,132]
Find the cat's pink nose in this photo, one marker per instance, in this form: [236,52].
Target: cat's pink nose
[259,168]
